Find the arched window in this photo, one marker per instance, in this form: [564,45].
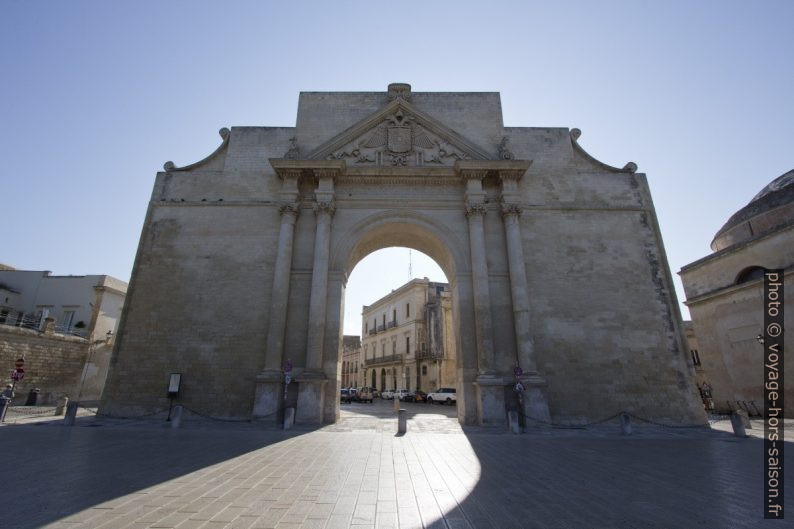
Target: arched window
[750,273]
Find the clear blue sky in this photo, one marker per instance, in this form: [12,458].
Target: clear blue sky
[97,95]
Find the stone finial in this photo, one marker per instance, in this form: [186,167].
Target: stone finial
[293,152]
[504,152]
[399,91]
[224,133]
[169,166]
[575,133]
[630,167]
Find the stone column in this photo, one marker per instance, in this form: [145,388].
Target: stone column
[475,213]
[534,399]
[518,287]
[490,387]
[324,211]
[269,381]
[312,381]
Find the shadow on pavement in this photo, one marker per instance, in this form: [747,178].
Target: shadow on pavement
[51,471]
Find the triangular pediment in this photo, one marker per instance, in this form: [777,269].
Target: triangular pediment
[399,135]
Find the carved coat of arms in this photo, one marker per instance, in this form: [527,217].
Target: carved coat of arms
[398,140]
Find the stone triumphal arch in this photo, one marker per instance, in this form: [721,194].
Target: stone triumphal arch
[554,259]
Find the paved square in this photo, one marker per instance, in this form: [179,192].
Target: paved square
[357,473]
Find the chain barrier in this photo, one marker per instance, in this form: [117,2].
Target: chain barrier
[191,410]
[616,415]
[230,419]
[23,414]
[110,416]
[572,426]
[643,419]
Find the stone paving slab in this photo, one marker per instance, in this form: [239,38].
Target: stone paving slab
[358,473]
[90,477]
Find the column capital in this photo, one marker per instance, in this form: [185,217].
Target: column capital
[475,209]
[510,209]
[324,206]
[290,208]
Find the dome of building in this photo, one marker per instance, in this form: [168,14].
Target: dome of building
[771,208]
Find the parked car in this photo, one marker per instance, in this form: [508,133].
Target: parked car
[344,395]
[387,394]
[443,395]
[375,393]
[352,394]
[364,395]
[401,394]
[417,396]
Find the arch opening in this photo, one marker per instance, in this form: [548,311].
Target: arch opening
[397,299]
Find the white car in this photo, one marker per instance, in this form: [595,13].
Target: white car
[387,394]
[443,395]
[401,394]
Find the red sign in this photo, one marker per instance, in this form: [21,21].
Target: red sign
[20,363]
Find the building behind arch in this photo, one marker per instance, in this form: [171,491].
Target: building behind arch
[408,338]
[724,293]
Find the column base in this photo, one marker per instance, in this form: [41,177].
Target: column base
[535,401]
[269,394]
[311,397]
[490,401]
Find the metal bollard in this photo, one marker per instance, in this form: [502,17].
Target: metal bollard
[289,418]
[402,421]
[71,414]
[745,417]
[61,407]
[512,421]
[5,402]
[738,426]
[176,417]
[625,424]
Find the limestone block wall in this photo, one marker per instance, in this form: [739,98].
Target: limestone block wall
[53,363]
[607,329]
[199,297]
[603,311]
